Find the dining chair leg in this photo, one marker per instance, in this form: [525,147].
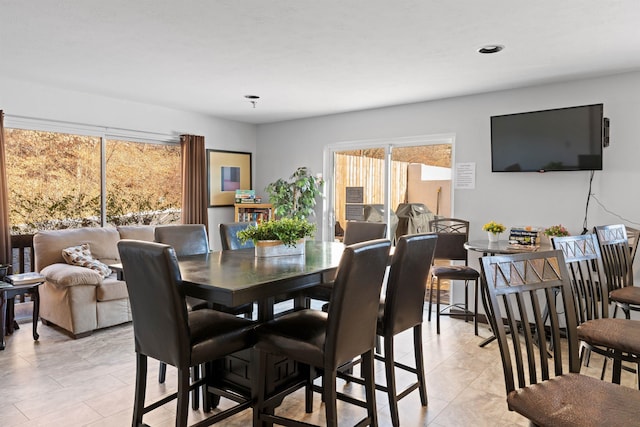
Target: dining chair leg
[207,404]
[195,393]
[417,349]
[370,386]
[604,368]
[389,369]
[141,388]
[308,391]
[430,298]
[438,306]
[162,372]
[260,407]
[466,301]
[330,398]
[182,412]
[475,308]
[617,368]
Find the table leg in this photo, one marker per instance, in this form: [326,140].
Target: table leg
[488,313]
[265,309]
[485,305]
[3,315]
[35,296]
[10,321]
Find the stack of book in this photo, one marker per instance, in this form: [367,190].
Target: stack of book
[525,237]
[24,278]
[247,196]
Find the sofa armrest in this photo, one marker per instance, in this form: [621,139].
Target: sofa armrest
[64,275]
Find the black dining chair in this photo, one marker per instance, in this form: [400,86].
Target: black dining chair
[355,232]
[452,234]
[186,240]
[402,308]
[549,391]
[616,339]
[229,238]
[633,234]
[166,331]
[322,342]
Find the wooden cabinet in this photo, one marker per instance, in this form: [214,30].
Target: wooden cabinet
[245,212]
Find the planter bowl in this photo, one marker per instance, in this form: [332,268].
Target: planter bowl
[272,248]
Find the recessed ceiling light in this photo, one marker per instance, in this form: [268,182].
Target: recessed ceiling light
[491,48]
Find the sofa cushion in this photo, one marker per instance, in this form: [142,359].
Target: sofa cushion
[137,232]
[111,289]
[63,275]
[80,255]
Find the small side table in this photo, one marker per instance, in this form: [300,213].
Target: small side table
[7,295]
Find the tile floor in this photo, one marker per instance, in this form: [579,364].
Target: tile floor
[58,381]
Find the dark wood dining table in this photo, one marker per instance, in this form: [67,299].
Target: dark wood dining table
[232,278]
[237,277]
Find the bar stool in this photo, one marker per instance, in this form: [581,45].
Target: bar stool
[452,234]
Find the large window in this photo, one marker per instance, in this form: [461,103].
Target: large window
[55,180]
[143,183]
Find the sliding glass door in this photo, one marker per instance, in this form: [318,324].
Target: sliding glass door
[372,180]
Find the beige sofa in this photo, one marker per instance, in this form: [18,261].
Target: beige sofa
[78,299]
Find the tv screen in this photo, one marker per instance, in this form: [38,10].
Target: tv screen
[563,139]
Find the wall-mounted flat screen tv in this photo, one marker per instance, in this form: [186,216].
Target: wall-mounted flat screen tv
[563,139]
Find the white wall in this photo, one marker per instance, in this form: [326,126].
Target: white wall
[511,198]
[18,98]
[279,148]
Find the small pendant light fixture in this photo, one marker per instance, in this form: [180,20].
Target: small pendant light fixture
[253,99]
[491,48]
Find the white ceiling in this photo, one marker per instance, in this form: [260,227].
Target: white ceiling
[308,58]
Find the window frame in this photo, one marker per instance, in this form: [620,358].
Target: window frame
[102,132]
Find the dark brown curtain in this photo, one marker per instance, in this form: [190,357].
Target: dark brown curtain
[5,228]
[194,180]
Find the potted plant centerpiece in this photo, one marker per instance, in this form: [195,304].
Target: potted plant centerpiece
[278,237]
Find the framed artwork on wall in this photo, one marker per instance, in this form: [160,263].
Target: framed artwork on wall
[227,171]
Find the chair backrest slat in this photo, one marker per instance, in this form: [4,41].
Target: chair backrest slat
[633,235]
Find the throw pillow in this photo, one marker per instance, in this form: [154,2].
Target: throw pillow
[81,256]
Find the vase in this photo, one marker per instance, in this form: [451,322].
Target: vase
[493,237]
[272,248]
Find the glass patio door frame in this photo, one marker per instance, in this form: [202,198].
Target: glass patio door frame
[328,170]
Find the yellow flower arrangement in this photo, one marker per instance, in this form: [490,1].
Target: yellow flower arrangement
[494,227]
